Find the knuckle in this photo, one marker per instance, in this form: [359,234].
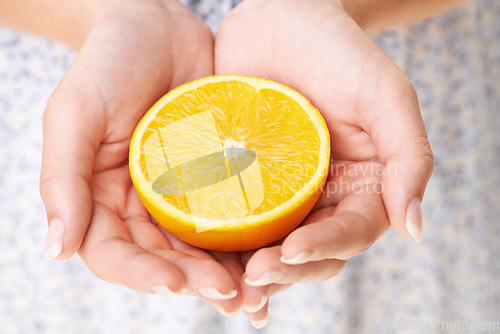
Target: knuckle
[428,158]
[333,268]
[366,244]
[48,177]
[340,266]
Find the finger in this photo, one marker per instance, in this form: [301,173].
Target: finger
[265,268]
[256,301]
[72,131]
[232,263]
[184,247]
[141,230]
[259,318]
[254,297]
[204,276]
[345,177]
[393,120]
[340,233]
[110,254]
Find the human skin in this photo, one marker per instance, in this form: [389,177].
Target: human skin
[381,157]
[132,52]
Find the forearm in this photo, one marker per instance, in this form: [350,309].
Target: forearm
[68,21]
[376,15]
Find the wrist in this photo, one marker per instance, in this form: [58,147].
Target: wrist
[66,21]
[358,11]
[76,21]
[376,15]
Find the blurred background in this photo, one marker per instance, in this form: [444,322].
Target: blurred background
[448,284]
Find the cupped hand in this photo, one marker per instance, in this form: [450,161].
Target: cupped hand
[135,52]
[381,158]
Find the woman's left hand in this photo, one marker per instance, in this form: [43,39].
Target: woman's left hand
[381,157]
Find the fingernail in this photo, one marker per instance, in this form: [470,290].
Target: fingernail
[54,240]
[414,220]
[255,308]
[164,290]
[261,323]
[300,258]
[213,293]
[227,314]
[266,279]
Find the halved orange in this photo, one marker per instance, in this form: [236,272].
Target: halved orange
[230,162]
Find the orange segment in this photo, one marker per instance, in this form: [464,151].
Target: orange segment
[230,162]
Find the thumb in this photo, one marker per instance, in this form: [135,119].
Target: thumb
[398,132]
[72,131]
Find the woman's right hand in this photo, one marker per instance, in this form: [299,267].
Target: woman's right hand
[135,52]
